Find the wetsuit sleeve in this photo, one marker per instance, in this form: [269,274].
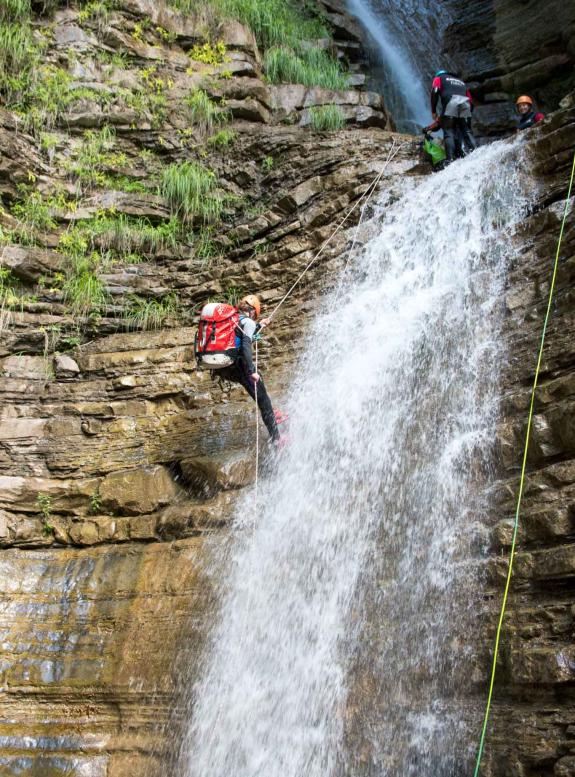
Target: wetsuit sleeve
[246,353]
[435,92]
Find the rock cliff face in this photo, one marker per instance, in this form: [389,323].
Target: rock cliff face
[534,707]
[506,48]
[117,458]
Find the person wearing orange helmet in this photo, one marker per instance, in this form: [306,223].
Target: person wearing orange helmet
[243,370]
[528,116]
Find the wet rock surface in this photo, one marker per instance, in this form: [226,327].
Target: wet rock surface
[534,708]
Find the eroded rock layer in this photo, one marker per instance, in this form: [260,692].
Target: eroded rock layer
[534,703]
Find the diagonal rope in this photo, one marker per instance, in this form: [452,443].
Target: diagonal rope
[522,479]
[394,150]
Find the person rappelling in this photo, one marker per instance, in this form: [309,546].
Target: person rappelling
[224,344]
[528,116]
[454,98]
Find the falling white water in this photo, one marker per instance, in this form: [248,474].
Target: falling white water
[406,37]
[343,628]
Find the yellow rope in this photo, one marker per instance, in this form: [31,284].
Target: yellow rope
[522,479]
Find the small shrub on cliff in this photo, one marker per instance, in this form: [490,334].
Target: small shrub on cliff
[96,10]
[192,190]
[326,118]
[208,53]
[44,503]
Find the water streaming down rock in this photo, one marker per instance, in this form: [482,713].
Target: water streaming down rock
[344,610]
[406,42]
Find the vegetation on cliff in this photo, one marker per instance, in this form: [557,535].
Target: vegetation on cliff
[131,124]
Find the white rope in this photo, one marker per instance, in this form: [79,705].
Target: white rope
[394,150]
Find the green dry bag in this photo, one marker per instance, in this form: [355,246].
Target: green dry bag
[435,152]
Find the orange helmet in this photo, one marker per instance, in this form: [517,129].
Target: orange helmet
[524,99]
[253,302]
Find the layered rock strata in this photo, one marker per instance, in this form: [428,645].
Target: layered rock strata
[117,458]
[534,707]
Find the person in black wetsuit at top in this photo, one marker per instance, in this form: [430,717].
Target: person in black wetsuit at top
[453,97]
[243,370]
[528,116]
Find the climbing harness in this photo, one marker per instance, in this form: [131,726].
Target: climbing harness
[522,478]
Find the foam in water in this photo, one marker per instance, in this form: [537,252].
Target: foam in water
[343,637]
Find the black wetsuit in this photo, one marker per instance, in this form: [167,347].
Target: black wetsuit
[241,372]
[456,108]
[529,119]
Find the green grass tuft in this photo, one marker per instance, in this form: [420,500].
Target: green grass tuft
[286,31]
[222,139]
[95,163]
[274,22]
[85,292]
[33,213]
[312,67]
[14,10]
[204,112]
[326,118]
[149,314]
[192,190]
[134,235]
[16,56]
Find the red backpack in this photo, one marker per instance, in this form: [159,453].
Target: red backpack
[216,341]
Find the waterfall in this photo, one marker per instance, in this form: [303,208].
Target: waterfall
[406,41]
[345,629]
